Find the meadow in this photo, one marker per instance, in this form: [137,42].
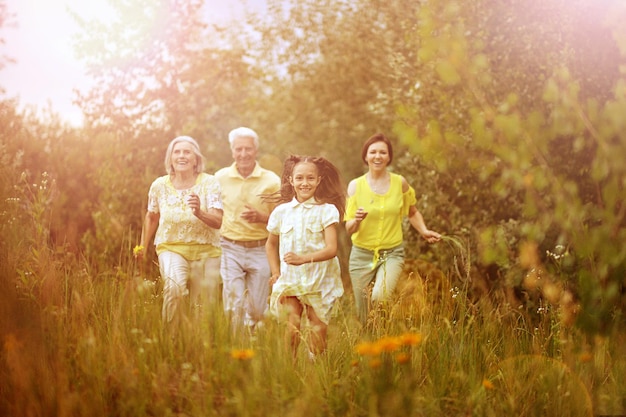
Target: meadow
[85,340]
[513,129]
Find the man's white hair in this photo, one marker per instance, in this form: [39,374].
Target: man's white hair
[243,132]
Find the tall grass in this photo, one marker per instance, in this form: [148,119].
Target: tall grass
[84,339]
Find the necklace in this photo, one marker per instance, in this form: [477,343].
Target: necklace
[380,186]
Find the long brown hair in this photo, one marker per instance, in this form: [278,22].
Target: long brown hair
[330,190]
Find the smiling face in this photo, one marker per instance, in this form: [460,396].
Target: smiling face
[377,156]
[305,178]
[244,153]
[183,157]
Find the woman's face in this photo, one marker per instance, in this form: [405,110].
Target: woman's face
[183,157]
[377,156]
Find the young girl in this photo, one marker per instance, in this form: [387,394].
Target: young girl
[302,245]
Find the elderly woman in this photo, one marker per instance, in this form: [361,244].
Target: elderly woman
[185,212]
[377,203]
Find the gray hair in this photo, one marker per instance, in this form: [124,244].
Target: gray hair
[196,150]
[243,132]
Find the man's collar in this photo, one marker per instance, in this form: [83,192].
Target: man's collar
[234,172]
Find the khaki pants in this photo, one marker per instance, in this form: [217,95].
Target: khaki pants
[384,271]
[200,280]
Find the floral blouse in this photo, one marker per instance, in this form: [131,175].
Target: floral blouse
[177,223]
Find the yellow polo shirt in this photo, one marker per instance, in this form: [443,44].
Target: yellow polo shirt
[237,192]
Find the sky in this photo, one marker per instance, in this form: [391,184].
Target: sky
[39,40]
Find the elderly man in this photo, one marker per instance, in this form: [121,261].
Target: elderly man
[244,267]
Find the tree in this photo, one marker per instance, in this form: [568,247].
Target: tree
[518,118]
[159,72]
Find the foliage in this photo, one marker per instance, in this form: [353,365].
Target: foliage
[539,147]
[337,69]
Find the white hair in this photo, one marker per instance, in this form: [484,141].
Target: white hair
[243,132]
[196,150]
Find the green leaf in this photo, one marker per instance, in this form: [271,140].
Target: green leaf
[447,73]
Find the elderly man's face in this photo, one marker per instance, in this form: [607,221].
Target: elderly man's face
[244,154]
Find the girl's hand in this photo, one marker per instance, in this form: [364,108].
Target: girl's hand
[291,258]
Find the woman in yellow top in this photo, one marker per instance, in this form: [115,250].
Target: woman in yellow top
[377,203]
[185,213]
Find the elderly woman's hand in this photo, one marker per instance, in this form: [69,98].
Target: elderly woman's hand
[193,201]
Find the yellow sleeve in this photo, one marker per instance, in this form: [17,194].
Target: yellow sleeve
[351,208]
[408,200]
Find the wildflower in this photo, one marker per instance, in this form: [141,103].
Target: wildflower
[242,354]
[411,339]
[487,384]
[367,349]
[402,358]
[389,344]
[137,250]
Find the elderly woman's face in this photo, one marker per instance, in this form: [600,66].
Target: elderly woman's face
[183,157]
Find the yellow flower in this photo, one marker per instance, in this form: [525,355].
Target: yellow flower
[242,354]
[389,344]
[402,358]
[367,349]
[137,250]
[411,339]
[488,384]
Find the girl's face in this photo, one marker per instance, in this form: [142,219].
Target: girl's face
[305,179]
[377,156]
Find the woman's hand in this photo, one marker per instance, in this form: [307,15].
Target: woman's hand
[139,251]
[360,215]
[193,201]
[431,236]
[273,279]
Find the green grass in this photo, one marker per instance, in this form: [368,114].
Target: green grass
[99,348]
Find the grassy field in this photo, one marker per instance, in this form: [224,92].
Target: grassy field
[84,342]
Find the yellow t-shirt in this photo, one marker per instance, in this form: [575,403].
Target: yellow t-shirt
[239,192]
[382,228]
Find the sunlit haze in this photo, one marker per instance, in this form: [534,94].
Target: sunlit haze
[39,40]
